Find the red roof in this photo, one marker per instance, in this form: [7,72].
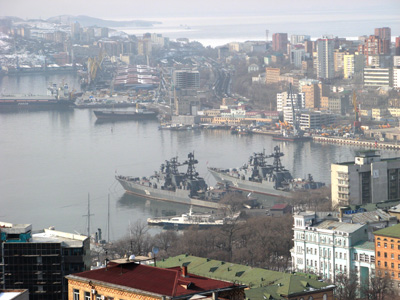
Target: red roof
[168,282]
[279,206]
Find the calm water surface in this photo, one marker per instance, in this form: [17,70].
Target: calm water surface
[50,161]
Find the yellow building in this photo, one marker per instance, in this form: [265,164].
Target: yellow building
[348,65]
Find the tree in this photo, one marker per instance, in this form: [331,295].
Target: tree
[378,288]
[347,286]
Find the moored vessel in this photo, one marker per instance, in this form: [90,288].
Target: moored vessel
[169,184]
[261,178]
[115,115]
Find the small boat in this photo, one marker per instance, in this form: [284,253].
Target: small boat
[190,219]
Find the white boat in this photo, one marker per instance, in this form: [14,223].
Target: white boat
[189,219]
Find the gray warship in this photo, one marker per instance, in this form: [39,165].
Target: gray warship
[261,178]
[169,184]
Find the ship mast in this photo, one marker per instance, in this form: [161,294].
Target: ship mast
[191,171]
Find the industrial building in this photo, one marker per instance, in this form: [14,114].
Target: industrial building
[369,179]
[39,261]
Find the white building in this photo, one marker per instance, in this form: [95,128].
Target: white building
[315,120]
[285,99]
[324,247]
[325,64]
[377,77]
[299,39]
[297,56]
[396,77]
[369,179]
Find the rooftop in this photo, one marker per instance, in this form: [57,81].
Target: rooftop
[365,245]
[392,231]
[54,236]
[154,280]
[338,226]
[15,228]
[273,283]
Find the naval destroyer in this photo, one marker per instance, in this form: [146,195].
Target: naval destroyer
[261,178]
[169,184]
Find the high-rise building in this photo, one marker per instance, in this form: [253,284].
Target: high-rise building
[374,45]
[325,65]
[39,261]
[348,66]
[397,47]
[369,179]
[383,33]
[279,42]
[186,79]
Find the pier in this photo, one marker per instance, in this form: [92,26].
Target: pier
[353,142]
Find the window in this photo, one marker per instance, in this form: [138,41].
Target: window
[385,254]
[379,244]
[379,253]
[379,262]
[98,297]
[325,296]
[345,256]
[399,266]
[87,296]
[76,294]
[392,255]
[385,264]
[392,246]
[310,298]
[392,265]
[385,245]
[356,256]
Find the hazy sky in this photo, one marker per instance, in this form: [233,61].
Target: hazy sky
[141,9]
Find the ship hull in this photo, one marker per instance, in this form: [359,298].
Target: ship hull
[263,188]
[36,102]
[124,115]
[291,139]
[179,196]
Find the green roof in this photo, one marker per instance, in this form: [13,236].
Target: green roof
[261,282]
[392,231]
[365,245]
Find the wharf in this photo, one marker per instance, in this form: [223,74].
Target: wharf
[360,143]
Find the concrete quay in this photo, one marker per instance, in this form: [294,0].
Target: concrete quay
[359,143]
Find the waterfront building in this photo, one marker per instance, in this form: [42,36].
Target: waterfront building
[377,77]
[315,120]
[280,42]
[262,283]
[131,280]
[39,261]
[369,179]
[325,247]
[325,59]
[387,247]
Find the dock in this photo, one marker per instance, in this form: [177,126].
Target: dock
[354,142]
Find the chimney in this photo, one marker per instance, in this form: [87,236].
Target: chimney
[184,271]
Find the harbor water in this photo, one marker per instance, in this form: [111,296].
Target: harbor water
[52,161]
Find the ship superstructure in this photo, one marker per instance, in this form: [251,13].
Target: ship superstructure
[260,177]
[169,184]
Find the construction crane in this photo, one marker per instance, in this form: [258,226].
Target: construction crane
[94,64]
[357,122]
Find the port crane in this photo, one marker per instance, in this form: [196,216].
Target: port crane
[357,122]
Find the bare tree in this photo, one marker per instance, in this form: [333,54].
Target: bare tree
[378,288]
[347,287]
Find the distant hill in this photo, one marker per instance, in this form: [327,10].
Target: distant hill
[86,21]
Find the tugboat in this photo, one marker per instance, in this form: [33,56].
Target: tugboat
[169,184]
[261,178]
